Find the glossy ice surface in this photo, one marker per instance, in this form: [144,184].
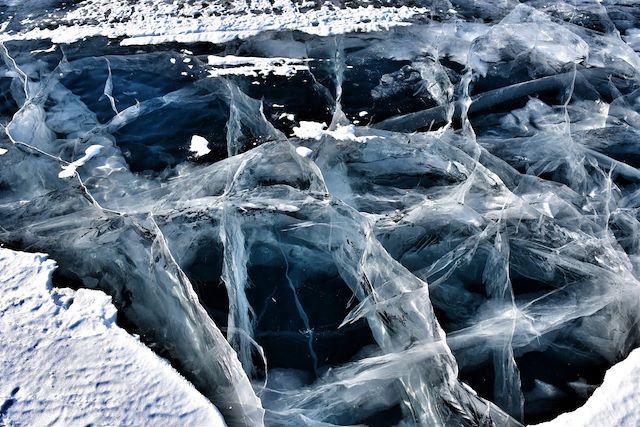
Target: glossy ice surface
[417,215]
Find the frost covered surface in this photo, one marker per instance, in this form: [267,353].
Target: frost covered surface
[145,22]
[64,361]
[431,225]
[614,403]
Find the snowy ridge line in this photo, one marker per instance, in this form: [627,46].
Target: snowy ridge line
[180,22]
[49,377]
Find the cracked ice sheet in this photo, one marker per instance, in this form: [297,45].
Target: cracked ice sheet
[454,208]
[64,361]
[614,403]
[143,23]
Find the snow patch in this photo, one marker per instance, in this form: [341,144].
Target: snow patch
[287,116]
[348,133]
[255,66]
[69,170]
[51,49]
[309,130]
[199,146]
[304,151]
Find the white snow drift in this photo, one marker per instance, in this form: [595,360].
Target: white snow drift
[616,403]
[64,361]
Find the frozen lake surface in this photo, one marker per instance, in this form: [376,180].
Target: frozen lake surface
[341,213]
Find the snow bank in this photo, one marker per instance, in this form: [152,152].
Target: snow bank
[140,23]
[616,403]
[64,361]
[316,130]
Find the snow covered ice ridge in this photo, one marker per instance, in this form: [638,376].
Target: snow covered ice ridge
[65,362]
[403,215]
